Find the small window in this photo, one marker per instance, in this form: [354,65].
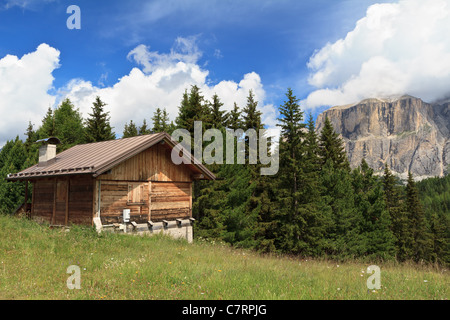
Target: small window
[135,194]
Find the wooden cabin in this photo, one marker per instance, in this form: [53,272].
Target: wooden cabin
[129,184]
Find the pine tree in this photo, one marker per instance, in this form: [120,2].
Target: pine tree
[31,136]
[337,194]
[47,129]
[130,130]
[435,196]
[398,216]
[193,108]
[251,115]
[311,143]
[161,121]
[440,233]
[219,117]
[318,219]
[157,121]
[165,125]
[290,173]
[68,125]
[338,210]
[143,130]
[332,147]
[421,239]
[13,157]
[98,127]
[375,238]
[234,121]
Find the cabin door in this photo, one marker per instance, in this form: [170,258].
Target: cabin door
[170,201]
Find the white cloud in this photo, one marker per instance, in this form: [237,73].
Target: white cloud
[161,83]
[24,86]
[397,48]
[185,50]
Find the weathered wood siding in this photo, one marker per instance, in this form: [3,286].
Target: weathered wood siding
[150,185]
[153,164]
[155,201]
[170,201]
[114,198]
[63,200]
[43,192]
[81,200]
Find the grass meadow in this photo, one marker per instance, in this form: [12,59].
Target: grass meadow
[34,261]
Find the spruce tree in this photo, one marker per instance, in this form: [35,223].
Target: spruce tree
[421,239]
[337,193]
[440,233]
[13,157]
[219,117]
[47,128]
[332,147]
[98,127]
[375,238]
[31,136]
[157,121]
[290,173]
[193,108]
[311,146]
[130,130]
[318,219]
[235,121]
[165,125]
[161,121]
[144,129]
[398,216]
[68,125]
[251,115]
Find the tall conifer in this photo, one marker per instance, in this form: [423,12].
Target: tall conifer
[421,239]
[332,147]
[98,127]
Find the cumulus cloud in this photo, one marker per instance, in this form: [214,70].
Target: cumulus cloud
[24,86]
[160,81]
[397,48]
[185,50]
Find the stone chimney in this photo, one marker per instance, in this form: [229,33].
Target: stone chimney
[47,151]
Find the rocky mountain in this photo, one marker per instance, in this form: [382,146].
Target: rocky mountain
[406,133]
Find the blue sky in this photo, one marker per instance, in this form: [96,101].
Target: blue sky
[145,49]
[273,38]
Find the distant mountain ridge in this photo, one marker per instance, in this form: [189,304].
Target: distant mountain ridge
[406,133]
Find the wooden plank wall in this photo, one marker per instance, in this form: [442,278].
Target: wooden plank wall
[166,201]
[170,201]
[80,205]
[43,194]
[63,200]
[164,188]
[114,196]
[153,164]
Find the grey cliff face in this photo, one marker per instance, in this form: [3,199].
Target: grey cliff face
[407,134]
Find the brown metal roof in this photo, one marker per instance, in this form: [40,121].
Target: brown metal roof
[99,157]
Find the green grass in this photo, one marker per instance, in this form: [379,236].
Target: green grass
[34,261]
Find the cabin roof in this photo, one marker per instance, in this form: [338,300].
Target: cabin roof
[99,157]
